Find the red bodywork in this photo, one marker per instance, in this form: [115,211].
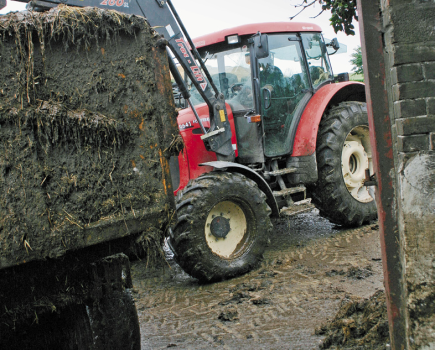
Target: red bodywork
[195,153]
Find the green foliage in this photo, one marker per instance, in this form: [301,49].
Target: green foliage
[343,12]
[357,61]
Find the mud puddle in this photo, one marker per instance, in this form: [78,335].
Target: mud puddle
[310,267]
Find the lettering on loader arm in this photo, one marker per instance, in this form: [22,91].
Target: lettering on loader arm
[193,67]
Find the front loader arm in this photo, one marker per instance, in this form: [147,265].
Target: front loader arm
[161,15]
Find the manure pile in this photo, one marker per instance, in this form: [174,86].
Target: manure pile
[359,324]
[85,123]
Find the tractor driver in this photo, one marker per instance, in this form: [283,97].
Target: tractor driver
[270,75]
[271,78]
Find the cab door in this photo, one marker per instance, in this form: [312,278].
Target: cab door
[285,89]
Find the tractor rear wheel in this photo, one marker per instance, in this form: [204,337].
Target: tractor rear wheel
[223,226]
[343,154]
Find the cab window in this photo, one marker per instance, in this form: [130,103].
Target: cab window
[317,58]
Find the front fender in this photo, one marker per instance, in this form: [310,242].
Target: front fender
[250,174]
[306,133]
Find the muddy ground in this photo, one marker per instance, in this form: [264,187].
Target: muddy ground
[310,270]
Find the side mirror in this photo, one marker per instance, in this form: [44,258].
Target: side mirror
[334,44]
[3,4]
[261,45]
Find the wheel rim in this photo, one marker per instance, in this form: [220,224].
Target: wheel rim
[225,229]
[355,159]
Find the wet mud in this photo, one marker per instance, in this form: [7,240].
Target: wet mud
[310,270]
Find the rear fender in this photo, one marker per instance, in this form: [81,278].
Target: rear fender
[250,174]
[328,95]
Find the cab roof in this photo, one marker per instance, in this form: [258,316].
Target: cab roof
[251,29]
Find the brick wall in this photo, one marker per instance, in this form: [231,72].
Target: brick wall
[409,48]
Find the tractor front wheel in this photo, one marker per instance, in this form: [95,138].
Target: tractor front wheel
[343,155]
[223,226]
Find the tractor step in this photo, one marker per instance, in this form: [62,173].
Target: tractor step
[280,172]
[288,191]
[298,208]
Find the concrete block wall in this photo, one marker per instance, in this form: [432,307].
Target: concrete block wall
[409,48]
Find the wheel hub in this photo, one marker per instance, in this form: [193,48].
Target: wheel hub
[225,229]
[355,159]
[220,227]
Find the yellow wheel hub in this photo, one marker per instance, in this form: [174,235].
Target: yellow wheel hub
[225,229]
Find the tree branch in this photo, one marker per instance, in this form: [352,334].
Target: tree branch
[343,12]
[303,8]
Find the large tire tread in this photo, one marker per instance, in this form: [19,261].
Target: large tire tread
[188,239]
[330,194]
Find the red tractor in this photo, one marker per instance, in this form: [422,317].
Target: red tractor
[295,132]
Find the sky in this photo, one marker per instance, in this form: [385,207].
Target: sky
[204,16]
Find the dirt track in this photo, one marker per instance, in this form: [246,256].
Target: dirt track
[308,269]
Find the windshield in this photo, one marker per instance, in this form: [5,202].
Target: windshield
[231,72]
[317,58]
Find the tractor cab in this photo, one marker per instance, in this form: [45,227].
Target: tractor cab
[266,88]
